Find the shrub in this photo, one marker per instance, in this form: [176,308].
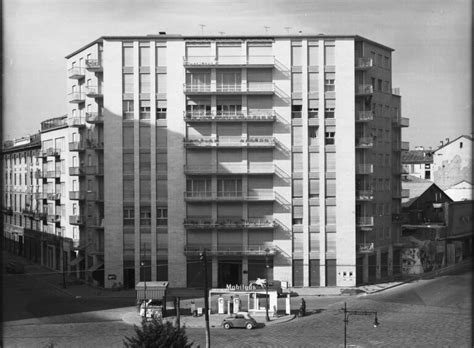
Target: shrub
[154,334]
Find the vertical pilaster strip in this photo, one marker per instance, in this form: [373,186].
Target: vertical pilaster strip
[136,156]
[153,64]
[322,168]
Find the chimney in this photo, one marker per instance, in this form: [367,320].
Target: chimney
[447,140]
[441,143]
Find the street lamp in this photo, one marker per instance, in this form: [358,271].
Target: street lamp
[267,318]
[142,264]
[346,319]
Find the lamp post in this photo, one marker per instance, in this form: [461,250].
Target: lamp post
[203,258]
[142,264]
[267,318]
[346,319]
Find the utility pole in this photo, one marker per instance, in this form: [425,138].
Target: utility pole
[287,29]
[202,28]
[203,258]
[266,29]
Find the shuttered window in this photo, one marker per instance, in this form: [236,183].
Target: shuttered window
[297,188]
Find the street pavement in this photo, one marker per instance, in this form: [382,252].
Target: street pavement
[38,312]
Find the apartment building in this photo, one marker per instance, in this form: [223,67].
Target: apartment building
[276,154]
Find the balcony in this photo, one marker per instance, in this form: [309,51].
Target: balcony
[8,210]
[396,91]
[41,195]
[364,116]
[51,174]
[363,63]
[76,146]
[364,195]
[76,73]
[93,170]
[75,171]
[364,90]
[94,91]
[253,116]
[94,117]
[230,168]
[53,218]
[41,216]
[76,220]
[365,248]
[53,152]
[77,97]
[231,250]
[405,146]
[76,195]
[228,61]
[365,169]
[253,88]
[365,221]
[404,122]
[229,141]
[53,196]
[94,65]
[364,142]
[76,122]
[229,196]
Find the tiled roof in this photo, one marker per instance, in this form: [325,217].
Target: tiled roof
[417,156]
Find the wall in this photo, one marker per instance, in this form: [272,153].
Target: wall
[453,163]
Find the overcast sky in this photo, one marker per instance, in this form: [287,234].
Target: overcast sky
[431,38]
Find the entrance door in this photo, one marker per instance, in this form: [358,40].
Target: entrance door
[230,272]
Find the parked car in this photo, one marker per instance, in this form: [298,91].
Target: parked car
[239,319]
[14,267]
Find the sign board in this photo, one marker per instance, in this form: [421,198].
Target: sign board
[111,277]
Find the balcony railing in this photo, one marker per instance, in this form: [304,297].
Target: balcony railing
[76,72]
[237,141]
[230,168]
[53,152]
[404,122]
[74,171]
[364,142]
[76,195]
[364,221]
[94,91]
[254,115]
[53,174]
[231,249]
[41,195]
[77,97]
[364,116]
[365,169]
[396,91]
[197,88]
[196,61]
[365,248]
[364,90]
[364,195]
[363,63]
[229,196]
[76,220]
[258,88]
[93,64]
[76,146]
[94,117]
[76,122]
[53,196]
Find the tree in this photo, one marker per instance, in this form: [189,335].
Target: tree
[155,334]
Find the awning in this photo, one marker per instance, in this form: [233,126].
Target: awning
[154,290]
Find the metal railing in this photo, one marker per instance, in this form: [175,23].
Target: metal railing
[76,72]
[364,116]
[365,142]
[364,220]
[364,169]
[76,195]
[76,146]
[94,117]
[365,247]
[364,89]
[93,64]
[93,90]
[76,97]
[363,62]
[228,60]
[365,194]
[76,121]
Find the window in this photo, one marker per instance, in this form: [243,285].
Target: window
[161,83]
[329,138]
[297,218]
[161,216]
[296,82]
[296,111]
[145,216]
[128,109]
[127,83]
[296,57]
[160,113]
[313,135]
[128,54]
[144,55]
[313,112]
[313,82]
[145,109]
[386,62]
[385,86]
[460,145]
[297,162]
[313,55]
[144,83]
[128,216]
[329,57]
[329,112]
[223,110]
[329,82]
[198,187]
[296,136]
[297,188]
[330,188]
[313,188]
[229,187]
[229,80]
[379,85]
[160,56]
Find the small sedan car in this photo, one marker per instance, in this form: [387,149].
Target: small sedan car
[240,319]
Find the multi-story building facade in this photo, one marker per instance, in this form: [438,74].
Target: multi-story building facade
[272,153]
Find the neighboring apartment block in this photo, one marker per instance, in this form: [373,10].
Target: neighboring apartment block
[272,150]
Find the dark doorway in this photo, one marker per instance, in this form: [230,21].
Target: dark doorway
[230,272]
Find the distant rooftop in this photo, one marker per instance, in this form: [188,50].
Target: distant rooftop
[417,156]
